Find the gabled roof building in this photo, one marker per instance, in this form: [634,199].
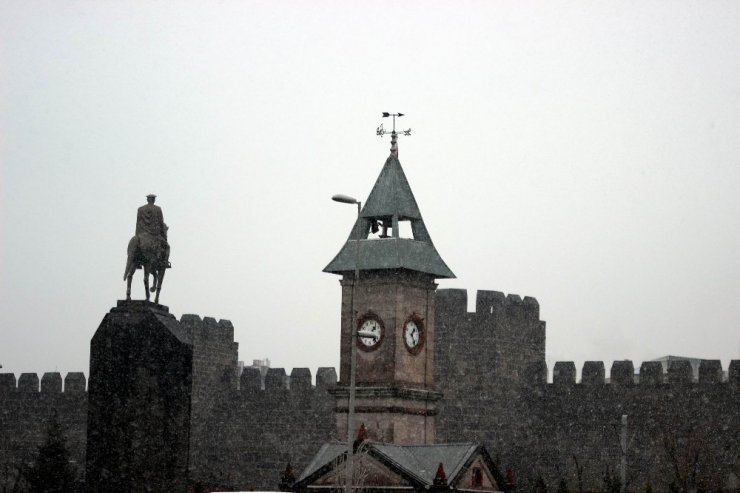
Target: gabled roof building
[383,467]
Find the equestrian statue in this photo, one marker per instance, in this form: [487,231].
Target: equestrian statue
[148,249]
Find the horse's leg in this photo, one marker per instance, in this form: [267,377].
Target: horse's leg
[128,286]
[160,278]
[131,250]
[154,280]
[146,281]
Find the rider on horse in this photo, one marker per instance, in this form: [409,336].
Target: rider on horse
[148,248]
[150,224]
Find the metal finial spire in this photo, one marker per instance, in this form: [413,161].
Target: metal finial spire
[394,135]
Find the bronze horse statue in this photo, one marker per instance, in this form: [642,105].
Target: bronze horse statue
[152,253]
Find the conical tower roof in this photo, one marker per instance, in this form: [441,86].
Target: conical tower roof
[391,201]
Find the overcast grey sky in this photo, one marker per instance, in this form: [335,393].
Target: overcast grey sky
[584,153]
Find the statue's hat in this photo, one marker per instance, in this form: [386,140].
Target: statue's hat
[152,196]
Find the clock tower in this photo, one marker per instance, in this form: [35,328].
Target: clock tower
[394,312]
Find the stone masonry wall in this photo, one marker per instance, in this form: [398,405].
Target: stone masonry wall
[287,422]
[679,431]
[239,438]
[25,412]
[482,360]
[242,436]
[491,368]
[214,375]
[490,365]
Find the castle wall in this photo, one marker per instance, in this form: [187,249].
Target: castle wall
[490,365]
[26,408]
[242,436]
[214,375]
[288,422]
[672,425]
[239,438]
[482,360]
[491,369]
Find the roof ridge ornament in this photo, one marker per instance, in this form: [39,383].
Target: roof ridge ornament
[394,135]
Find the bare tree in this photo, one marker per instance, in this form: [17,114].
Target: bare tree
[579,473]
[360,470]
[690,458]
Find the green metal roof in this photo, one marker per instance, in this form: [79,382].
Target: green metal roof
[390,253]
[391,200]
[421,461]
[391,193]
[416,463]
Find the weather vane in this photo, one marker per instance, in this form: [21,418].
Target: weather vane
[381,131]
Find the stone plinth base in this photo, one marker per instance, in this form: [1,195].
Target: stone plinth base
[139,401]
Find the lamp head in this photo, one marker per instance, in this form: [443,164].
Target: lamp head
[345,199]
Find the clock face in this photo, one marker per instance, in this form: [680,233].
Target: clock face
[413,334]
[370,333]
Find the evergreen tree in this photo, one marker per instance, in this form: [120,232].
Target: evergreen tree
[51,473]
[612,483]
[539,485]
[562,486]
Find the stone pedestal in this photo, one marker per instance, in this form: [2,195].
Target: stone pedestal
[139,401]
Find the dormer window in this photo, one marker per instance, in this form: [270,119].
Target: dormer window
[477,478]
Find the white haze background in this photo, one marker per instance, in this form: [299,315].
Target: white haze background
[584,153]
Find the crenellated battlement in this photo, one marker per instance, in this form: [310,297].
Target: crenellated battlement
[208,327]
[651,373]
[502,340]
[622,372]
[27,404]
[299,380]
[487,303]
[490,365]
[50,383]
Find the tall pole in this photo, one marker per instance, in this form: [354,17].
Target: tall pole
[623,446]
[353,359]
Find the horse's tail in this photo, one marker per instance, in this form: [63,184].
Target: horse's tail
[133,244]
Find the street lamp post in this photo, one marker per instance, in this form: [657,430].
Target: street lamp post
[623,456]
[353,344]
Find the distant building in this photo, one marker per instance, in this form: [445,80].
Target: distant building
[695,362]
[261,364]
